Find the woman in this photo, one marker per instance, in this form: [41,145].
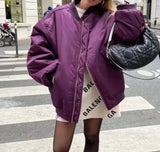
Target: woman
[68,55]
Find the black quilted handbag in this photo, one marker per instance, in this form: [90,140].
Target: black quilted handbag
[129,57]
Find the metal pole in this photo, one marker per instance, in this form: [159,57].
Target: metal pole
[16,38]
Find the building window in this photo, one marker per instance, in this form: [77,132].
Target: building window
[39,5]
[149,6]
[14,10]
[157,9]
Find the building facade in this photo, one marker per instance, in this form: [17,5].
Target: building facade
[151,10]
[27,12]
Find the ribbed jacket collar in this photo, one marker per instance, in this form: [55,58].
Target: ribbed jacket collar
[94,9]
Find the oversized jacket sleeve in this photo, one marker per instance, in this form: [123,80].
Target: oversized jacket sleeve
[129,24]
[42,59]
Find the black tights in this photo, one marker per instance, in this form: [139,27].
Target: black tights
[64,132]
[91,132]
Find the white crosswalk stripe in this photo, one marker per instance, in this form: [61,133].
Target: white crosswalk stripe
[34,113]
[23,91]
[22,52]
[37,113]
[15,77]
[26,114]
[12,59]
[13,63]
[138,139]
[14,69]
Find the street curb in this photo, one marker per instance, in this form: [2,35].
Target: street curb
[157,28]
[9,56]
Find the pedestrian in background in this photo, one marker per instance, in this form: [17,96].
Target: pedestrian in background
[68,55]
[7,27]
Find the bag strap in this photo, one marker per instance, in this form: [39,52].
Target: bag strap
[109,39]
[132,76]
[107,54]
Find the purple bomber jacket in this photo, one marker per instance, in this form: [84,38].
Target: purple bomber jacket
[62,44]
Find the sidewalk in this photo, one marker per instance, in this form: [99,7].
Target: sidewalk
[10,51]
[155,27]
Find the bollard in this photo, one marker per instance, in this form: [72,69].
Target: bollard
[155,22]
[16,38]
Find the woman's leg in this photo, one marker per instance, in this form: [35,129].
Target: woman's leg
[63,136]
[91,132]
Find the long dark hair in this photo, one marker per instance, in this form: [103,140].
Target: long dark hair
[77,1]
[107,4]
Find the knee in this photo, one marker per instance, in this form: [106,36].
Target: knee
[92,138]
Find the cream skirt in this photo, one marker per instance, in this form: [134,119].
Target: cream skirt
[92,104]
